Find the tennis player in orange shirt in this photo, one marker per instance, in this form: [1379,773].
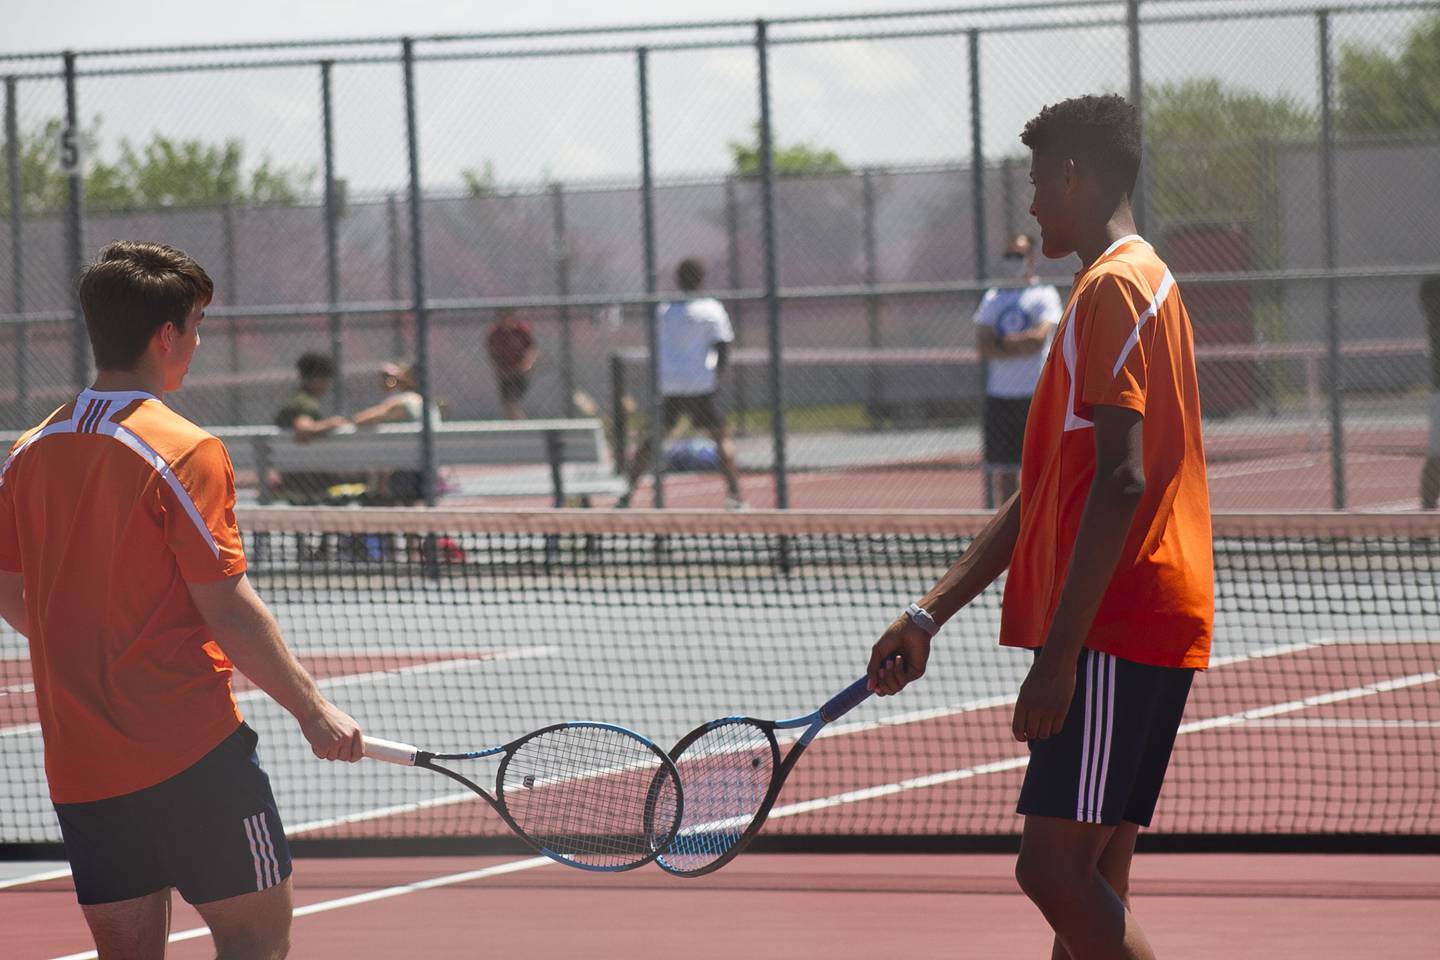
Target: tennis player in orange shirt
[121,561]
[1107,543]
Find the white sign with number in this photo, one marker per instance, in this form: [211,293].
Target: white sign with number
[67,150]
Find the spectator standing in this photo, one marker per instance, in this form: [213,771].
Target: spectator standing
[512,354]
[1015,324]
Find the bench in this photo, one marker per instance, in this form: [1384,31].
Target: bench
[573,451]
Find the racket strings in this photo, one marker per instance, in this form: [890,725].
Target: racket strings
[597,796]
[726,773]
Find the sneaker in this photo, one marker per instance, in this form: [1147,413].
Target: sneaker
[736,503]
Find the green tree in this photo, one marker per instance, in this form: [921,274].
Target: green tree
[161,172]
[1380,94]
[1211,146]
[795,158]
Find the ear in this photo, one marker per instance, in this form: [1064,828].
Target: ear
[166,336]
[1072,176]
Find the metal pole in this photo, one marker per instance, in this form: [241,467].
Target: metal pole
[737,309]
[1140,202]
[872,302]
[392,224]
[332,239]
[977,163]
[417,274]
[562,287]
[772,273]
[17,247]
[232,324]
[75,239]
[1332,290]
[647,205]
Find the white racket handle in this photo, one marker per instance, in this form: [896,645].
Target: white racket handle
[391,751]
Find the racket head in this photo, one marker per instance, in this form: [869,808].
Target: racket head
[590,795]
[730,769]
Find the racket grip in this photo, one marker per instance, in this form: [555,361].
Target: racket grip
[846,700]
[390,751]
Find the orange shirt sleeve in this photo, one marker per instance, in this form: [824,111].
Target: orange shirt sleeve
[200,527]
[1112,368]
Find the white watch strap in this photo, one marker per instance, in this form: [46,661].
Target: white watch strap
[921,618]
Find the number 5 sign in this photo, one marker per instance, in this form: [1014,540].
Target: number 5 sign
[67,150]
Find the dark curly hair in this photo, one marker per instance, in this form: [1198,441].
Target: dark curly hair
[1101,132]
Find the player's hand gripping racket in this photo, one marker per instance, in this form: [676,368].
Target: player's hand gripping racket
[732,773]
[589,795]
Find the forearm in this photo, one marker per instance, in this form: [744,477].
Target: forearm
[251,638]
[1104,527]
[987,557]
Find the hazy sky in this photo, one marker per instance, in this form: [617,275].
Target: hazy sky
[575,117]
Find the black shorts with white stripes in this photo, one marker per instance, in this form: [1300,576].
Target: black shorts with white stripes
[1108,762]
[211,831]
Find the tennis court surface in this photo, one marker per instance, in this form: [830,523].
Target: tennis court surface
[1315,730]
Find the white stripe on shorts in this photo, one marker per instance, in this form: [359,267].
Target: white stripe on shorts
[261,867]
[1095,749]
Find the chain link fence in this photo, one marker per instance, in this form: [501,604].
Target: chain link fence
[1291,178]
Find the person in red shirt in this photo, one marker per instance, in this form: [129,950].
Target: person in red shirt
[121,562]
[512,355]
[1107,542]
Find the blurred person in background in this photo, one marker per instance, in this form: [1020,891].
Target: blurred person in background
[402,404]
[304,415]
[1430,475]
[513,353]
[695,337]
[1014,326]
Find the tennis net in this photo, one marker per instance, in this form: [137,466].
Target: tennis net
[1318,724]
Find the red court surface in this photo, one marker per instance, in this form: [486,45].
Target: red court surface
[800,906]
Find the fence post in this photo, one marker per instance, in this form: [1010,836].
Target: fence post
[772,273]
[417,274]
[332,240]
[393,258]
[977,218]
[1140,202]
[17,248]
[652,326]
[872,302]
[562,287]
[737,308]
[1332,288]
[75,237]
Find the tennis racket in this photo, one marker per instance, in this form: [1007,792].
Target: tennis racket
[588,795]
[732,773]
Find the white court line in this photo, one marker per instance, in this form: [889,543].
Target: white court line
[57,874]
[515,866]
[869,793]
[372,676]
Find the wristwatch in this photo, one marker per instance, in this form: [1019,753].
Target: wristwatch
[921,618]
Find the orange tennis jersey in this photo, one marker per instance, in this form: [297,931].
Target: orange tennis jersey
[108,508]
[1125,341]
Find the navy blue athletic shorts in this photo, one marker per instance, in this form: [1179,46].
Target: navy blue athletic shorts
[211,831]
[1108,762]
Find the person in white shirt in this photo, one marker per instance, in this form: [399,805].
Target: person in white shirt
[695,337]
[1014,326]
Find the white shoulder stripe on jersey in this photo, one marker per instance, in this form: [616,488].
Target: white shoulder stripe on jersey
[148,454]
[1166,285]
[1068,352]
[59,426]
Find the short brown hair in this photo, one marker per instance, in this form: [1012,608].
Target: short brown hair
[133,289]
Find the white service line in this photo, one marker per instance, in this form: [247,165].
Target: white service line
[371,676]
[384,893]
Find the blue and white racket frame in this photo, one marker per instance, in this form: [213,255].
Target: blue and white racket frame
[813,722]
[408,755]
